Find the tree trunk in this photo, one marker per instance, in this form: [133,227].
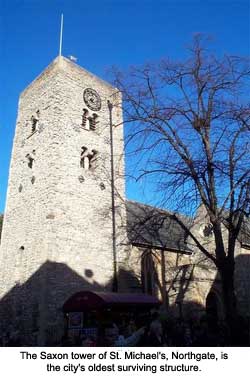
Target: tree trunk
[227,278]
[163,281]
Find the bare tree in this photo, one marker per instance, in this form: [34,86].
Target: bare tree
[189,122]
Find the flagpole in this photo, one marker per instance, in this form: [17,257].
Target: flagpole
[61,34]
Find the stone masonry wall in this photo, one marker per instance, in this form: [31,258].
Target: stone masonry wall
[57,235]
[190,278]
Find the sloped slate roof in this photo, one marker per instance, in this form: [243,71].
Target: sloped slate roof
[154,227]
[150,226]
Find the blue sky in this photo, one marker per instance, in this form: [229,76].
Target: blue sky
[102,34]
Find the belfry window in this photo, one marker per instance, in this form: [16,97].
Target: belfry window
[93,122]
[89,122]
[85,123]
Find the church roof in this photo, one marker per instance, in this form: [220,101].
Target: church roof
[150,226]
[153,227]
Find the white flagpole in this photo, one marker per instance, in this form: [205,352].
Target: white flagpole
[61,34]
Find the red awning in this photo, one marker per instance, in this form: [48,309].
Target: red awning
[89,300]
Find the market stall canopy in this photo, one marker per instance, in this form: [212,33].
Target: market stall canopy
[89,300]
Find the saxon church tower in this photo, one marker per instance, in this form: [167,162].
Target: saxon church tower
[58,227]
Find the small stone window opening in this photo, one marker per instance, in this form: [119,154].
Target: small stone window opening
[208,230]
[81,179]
[30,160]
[21,248]
[34,121]
[88,158]
[85,122]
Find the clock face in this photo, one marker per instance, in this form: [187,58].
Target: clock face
[92,99]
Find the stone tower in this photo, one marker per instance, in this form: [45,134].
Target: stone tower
[57,234]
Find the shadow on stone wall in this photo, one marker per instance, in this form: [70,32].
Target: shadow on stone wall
[32,311]
[211,314]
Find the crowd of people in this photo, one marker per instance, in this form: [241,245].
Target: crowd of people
[157,331]
[142,332]
[152,330]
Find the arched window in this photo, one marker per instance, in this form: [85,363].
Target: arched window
[89,122]
[93,122]
[148,273]
[88,158]
[85,122]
